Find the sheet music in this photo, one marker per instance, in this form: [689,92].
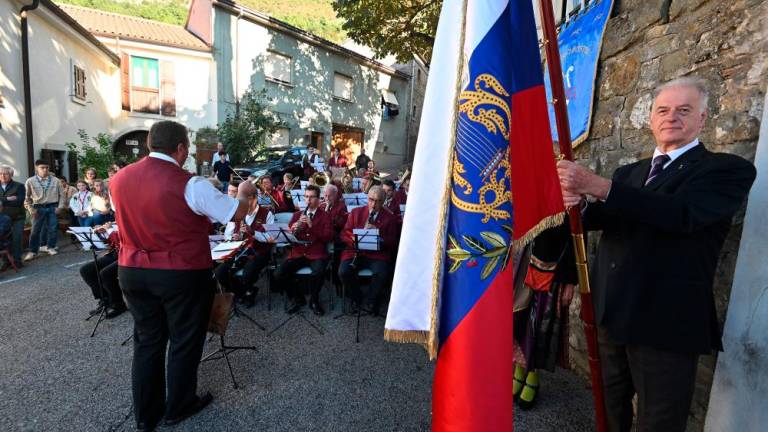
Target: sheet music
[357,183]
[297,195]
[352,207]
[221,250]
[279,232]
[319,166]
[402,208]
[304,184]
[356,199]
[367,239]
[86,235]
[213,240]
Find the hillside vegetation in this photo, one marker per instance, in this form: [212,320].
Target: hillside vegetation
[315,16]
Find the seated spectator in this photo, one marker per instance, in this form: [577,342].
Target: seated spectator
[5,236]
[232,190]
[12,195]
[101,205]
[80,205]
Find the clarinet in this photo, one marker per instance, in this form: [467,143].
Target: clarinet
[353,263]
[299,225]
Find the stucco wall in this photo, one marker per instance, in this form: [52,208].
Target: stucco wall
[307,104]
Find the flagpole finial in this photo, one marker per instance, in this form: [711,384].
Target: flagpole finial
[553,101]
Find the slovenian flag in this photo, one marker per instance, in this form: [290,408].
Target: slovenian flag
[484,183]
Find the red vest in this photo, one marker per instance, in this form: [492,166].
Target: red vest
[157,228]
[257,225]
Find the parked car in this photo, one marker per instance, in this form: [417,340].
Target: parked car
[275,161]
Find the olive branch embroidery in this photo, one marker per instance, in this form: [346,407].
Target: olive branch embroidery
[494,248]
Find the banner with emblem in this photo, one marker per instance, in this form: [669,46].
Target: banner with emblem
[484,183]
[580,40]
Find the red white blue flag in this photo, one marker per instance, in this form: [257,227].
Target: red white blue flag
[484,183]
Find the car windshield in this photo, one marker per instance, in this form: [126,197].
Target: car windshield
[267,155]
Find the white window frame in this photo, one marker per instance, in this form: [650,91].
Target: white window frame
[351,87]
[272,77]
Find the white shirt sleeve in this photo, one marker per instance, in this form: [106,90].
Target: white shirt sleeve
[270,218]
[205,200]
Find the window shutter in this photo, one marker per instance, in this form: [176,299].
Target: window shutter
[168,88]
[72,162]
[125,81]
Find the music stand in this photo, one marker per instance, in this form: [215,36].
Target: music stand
[285,237]
[236,312]
[362,242]
[86,239]
[224,350]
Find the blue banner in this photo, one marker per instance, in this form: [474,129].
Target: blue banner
[580,41]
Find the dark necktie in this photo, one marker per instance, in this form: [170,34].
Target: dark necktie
[372,218]
[656,166]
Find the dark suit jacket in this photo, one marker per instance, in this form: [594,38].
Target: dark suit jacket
[15,208]
[653,275]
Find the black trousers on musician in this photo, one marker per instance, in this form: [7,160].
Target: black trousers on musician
[373,296]
[166,305]
[663,380]
[252,267]
[286,272]
[108,271]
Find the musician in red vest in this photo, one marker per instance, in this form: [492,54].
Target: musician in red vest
[313,226]
[378,262]
[164,267]
[272,197]
[252,260]
[402,191]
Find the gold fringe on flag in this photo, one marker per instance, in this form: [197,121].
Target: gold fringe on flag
[545,224]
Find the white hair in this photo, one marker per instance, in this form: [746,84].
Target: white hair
[332,189]
[377,190]
[691,82]
[7,169]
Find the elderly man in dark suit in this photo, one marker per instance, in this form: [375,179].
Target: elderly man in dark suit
[664,221]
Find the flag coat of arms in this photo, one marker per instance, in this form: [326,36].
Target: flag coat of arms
[484,183]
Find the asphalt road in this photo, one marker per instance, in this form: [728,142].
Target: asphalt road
[54,377]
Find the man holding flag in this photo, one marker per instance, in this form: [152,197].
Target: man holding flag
[484,184]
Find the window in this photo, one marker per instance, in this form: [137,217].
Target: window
[79,92]
[280,138]
[342,86]
[278,68]
[145,85]
[149,85]
[413,114]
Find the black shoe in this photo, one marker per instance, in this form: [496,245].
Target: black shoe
[201,402]
[249,299]
[316,308]
[147,426]
[115,311]
[99,307]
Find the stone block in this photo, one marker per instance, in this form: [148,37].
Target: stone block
[619,34]
[620,76]
[659,46]
[649,74]
[674,64]
[639,117]
[605,117]
[730,127]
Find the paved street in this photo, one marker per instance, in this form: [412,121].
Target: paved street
[53,377]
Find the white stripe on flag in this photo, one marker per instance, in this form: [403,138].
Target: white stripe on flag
[481,16]
[410,307]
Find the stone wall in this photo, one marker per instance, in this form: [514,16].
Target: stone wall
[723,42]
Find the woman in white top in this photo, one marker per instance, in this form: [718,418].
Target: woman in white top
[80,204]
[100,204]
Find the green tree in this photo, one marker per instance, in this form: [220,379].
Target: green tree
[99,156]
[398,27]
[244,132]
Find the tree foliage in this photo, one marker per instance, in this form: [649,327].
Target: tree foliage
[398,27]
[99,156]
[245,133]
[167,11]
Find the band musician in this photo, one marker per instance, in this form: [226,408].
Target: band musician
[352,261]
[110,297]
[253,260]
[391,201]
[164,267]
[314,227]
[271,197]
[289,183]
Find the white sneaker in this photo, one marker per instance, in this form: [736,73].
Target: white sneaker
[52,251]
[28,256]
[43,248]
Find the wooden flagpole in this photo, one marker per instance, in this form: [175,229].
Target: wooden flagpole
[574,213]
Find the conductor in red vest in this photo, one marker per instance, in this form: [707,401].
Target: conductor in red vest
[165,270]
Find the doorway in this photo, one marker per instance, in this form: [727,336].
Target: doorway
[348,140]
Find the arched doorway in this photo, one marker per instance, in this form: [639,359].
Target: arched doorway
[131,145]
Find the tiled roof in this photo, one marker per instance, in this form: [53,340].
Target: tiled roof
[112,25]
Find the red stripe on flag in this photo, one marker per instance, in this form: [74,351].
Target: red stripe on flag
[535,186]
[473,378]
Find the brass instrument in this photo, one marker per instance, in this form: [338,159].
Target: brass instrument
[320,179]
[372,179]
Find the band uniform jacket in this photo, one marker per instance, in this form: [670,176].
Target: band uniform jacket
[385,221]
[256,225]
[653,274]
[338,215]
[319,235]
[393,205]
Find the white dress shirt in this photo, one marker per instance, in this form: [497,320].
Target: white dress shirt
[204,199]
[674,154]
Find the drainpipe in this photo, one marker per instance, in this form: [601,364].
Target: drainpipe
[25,78]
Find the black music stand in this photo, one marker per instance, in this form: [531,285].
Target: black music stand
[86,238]
[299,313]
[236,312]
[360,312]
[224,350]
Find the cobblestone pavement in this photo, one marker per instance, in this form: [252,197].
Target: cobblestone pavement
[54,377]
